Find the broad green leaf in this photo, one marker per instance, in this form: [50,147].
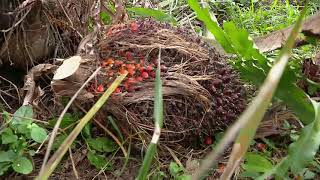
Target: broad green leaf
[8,137]
[22,165]
[99,161]
[102,144]
[156,14]
[4,166]
[256,163]
[7,156]
[67,120]
[23,115]
[38,134]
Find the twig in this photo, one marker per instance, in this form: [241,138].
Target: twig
[56,127]
[73,165]
[16,88]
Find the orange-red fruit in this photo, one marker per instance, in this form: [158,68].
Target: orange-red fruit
[152,74]
[139,79]
[141,69]
[118,62]
[261,146]
[131,81]
[149,68]
[123,71]
[221,168]
[100,88]
[208,140]
[111,73]
[134,27]
[117,90]
[144,75]
[131,72]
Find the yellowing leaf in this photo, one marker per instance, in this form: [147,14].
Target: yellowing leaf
[68,67]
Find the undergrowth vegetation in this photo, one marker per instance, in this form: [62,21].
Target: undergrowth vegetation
[275,76]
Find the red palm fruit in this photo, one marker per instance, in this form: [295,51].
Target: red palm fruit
[261,146]
[123,71]
[128,55]
[138,66]
[110,73]
[117,90]
[118,62]
[131,81]
[100,88]
[144,75]
[134,27]
[152,74]
[149,68]
[221,168]
[131,72]
[141,69]
[208,140]
[130,66]
[110,61]
[139,79]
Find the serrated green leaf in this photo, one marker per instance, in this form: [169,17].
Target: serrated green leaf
[8,137]
[23,115]
[99,161]
[38,134]
[102,144]
[156,14]
[256,163]
[7,156]
[22,165]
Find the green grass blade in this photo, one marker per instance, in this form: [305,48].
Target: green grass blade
[57,156]
[158,116]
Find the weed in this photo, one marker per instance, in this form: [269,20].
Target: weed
[19,137]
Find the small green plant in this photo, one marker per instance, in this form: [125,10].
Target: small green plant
[98,147]
[19,136]
[178,172]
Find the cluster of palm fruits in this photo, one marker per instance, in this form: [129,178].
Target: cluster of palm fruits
[126,62]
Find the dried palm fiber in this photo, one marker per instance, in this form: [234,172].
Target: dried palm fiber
[202,93]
